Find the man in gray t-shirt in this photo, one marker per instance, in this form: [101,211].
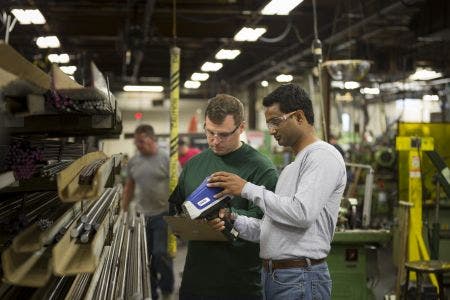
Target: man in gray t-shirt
[148,175]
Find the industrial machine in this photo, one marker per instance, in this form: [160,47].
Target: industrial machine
[423,173]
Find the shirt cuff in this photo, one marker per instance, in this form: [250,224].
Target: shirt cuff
[239,224]
[248,190]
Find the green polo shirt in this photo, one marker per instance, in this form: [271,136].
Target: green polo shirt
[225,268]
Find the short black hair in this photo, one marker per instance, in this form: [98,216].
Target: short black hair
[291,98]
[222,105]
[146,129]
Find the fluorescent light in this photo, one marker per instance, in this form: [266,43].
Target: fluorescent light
[351,85]
[424,74]
[211,67]
[370,91]
[227,53]
[284,78]
[59,58]
[430,98]
[199,76]
[48,42]
[28,16]
[143,88]
[337,84]
[68,69]
[190,84]
[280,7]
[264,83]
[249,34]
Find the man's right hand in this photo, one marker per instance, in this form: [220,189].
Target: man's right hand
[218,224]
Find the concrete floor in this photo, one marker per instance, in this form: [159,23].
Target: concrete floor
[178,266]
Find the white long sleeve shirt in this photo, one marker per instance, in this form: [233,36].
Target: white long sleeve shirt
[300,217]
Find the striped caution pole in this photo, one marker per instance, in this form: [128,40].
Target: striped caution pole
[174,113]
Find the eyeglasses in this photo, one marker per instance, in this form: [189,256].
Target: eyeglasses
[219,135]
[275,122]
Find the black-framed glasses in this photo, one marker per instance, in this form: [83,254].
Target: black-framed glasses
[219,135]
[275,122]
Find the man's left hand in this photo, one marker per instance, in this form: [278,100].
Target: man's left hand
[231,183]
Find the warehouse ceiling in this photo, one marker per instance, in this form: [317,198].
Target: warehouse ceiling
[130,40]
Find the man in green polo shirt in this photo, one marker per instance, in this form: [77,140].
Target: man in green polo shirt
[223,270]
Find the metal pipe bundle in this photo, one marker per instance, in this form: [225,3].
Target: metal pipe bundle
[67,105]
[125,273]
[55,289]
[58,150]
[88,172]
[52,169]
[79,286]
[22,211]
[91,220]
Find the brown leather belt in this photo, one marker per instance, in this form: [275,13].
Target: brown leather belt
[290,263]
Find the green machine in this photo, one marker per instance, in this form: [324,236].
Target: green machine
[348,261]
[354,243]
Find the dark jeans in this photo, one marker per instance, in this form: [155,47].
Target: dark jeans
[161,266]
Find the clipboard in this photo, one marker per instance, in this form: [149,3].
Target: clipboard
[193,230]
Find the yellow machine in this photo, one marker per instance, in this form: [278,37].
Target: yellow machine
[414,146]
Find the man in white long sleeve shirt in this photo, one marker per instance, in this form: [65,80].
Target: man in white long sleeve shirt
[300,216]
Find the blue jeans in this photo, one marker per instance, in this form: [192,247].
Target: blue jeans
[161,266]
[193,297]
[310,283]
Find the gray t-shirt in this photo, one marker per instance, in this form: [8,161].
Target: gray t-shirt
[151,176]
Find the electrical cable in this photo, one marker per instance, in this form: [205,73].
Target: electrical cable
[280,37]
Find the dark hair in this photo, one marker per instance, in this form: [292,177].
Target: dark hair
[146,129]
[222,105]
[183,141]
[291,98]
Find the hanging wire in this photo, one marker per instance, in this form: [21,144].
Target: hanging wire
[174,22]
[316,32]
[280,37]
[317,53]
[298,36]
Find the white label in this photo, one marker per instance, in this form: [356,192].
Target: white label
[414,174]
[203,201]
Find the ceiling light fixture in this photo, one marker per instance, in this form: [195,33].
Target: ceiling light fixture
[351,85]
[211,67]
[430,98]
[284,78]
[199,76]
[280,7]
[29,16]
[370,91]
[48,42]
[249,34]
[68,69]
[227,54]
[347,69]
[264,83]
[143,88]
[62,58]
[191,84]
[425,74]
